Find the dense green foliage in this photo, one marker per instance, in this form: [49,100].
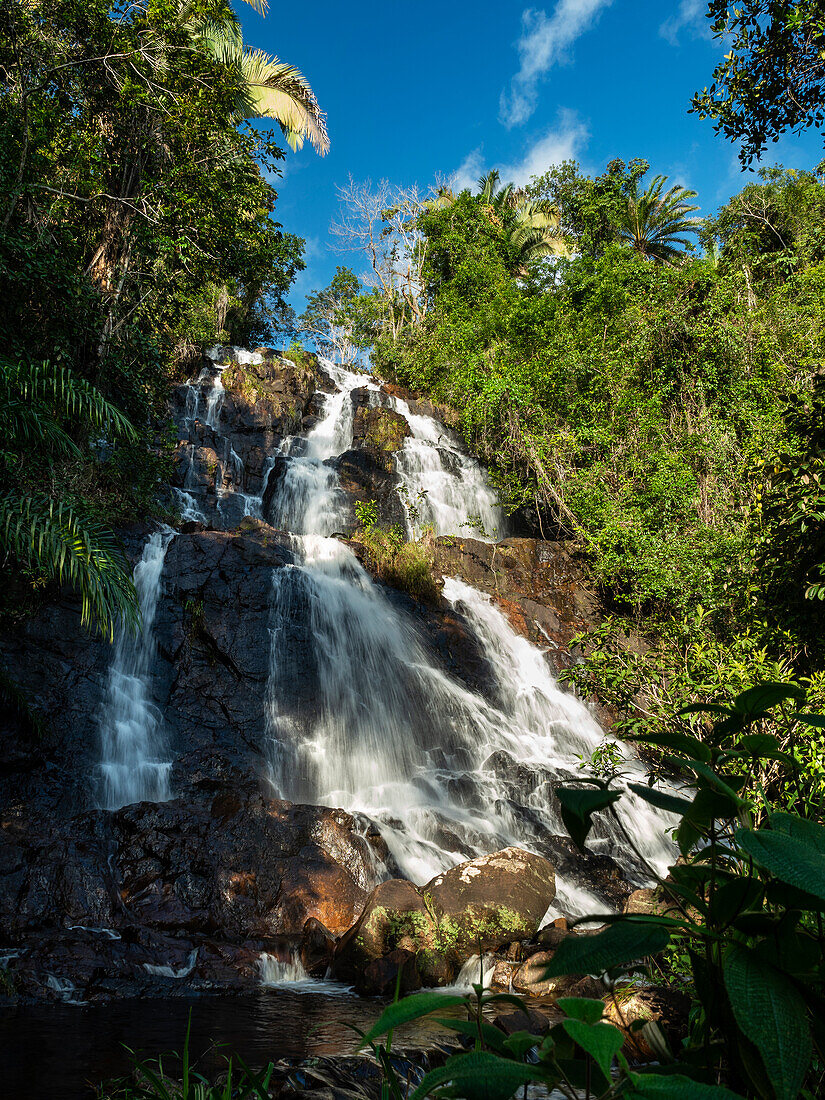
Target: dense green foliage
[136,227]
[772,78]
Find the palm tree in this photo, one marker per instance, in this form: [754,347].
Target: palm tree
[653,223]
[269,87]
[39,405]
[530,227]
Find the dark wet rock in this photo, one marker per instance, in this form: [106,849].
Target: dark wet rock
[317,948]
[374,428]
[511,1021]
[381,976]
[542,587]
[155,884]
[366,475]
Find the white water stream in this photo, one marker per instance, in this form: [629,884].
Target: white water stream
[361,713]
[362,716]
[135,762]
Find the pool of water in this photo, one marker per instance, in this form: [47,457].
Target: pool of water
[66,1051]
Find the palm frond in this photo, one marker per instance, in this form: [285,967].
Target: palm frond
[61,543]
[278,90]
[70,395]
[654,222]
[26,424]
[260,6]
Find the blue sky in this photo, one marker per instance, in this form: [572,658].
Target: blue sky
[417,90]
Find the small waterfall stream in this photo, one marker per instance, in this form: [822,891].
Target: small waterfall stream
[134,758]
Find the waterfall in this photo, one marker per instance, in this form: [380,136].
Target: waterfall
[133,768]
[362,716]
[444,486]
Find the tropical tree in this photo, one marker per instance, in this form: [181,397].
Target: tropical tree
[772,78]
[530,226]
[654,224]
[45,409]
[267,86]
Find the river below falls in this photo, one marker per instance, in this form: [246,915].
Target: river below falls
[66,1051]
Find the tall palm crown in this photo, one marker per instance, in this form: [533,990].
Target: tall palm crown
[270,88]
[531,227]
[654,224]
[534,232]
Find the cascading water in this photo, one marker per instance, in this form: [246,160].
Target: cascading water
[133,765]
[360,714]
[444,488]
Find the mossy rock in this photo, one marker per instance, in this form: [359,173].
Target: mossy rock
[382,429]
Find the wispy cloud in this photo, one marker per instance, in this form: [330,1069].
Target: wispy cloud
[565,141]
[689,16]
[545,41]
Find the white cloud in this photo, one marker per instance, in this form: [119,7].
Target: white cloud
[689,16]
[564,142]
[545,41]
[468,173]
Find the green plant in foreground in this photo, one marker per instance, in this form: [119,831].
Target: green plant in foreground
[744,922]
[150,1081]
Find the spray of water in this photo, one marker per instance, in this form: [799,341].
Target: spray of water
[362,716]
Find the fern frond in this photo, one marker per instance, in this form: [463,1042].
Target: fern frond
[60,542]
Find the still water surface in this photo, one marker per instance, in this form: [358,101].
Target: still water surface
[65,1051]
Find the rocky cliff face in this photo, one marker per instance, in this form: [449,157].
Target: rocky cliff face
[191,892]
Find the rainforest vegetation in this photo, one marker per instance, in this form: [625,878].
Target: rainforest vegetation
[136,227]
[641,381]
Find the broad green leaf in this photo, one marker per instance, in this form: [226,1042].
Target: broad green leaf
[758,744]
[762,697]
[601,1041]
[410,1008]
[705,708]
[735,897]
[800,828]
[586,1009]
[817,721]
[519,1043]
[771,1014]
[786,857]
[675,1086]
[490,1035]
[578,804]
[704,771]
[677,742]
[481,1076]
[620,943]
[663,800]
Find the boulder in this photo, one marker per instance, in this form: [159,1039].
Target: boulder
[394,916]
[474,908]
[378,429]
[530,979]
[490,901]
